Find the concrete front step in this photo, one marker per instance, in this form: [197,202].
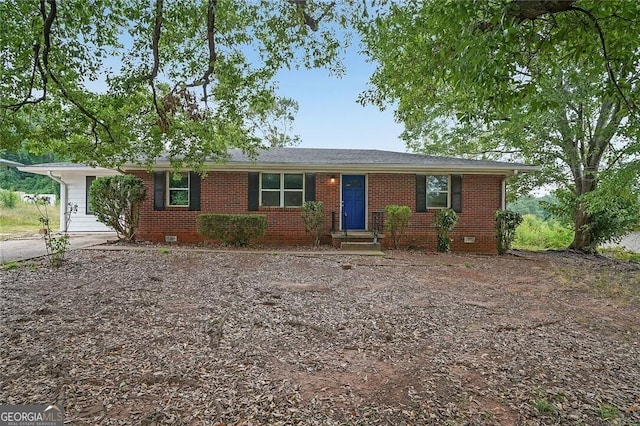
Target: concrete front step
[360,246]
[355,236]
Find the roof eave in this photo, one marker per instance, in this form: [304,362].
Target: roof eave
[83,169]
[9,163]
[507,169]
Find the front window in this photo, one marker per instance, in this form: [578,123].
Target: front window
[437,191]
[178,192]
[89,180]
[282,189]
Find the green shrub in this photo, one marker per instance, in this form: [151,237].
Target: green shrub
[8,199]
[237,229]
[537,234]
[445,221]
[397,221]
[313,218]
[116,202]
[612,210]
[506,223]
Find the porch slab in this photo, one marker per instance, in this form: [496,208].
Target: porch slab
[360,246]
[364,237]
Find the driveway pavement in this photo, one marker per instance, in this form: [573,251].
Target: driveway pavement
[32,247]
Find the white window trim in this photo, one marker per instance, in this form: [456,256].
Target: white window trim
[282,189]
[448,206]
[169,189]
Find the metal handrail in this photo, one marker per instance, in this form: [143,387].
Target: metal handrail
[346,235]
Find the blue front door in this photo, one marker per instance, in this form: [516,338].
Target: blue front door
[353,202]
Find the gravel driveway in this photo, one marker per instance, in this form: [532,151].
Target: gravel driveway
[179,337]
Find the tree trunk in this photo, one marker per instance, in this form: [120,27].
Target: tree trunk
[582,239]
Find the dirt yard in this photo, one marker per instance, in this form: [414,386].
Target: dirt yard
[191,338]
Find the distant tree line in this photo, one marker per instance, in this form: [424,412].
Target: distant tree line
[15,180]
[537,206]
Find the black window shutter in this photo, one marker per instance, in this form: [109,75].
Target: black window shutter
[89,181]
[159,188]
[310,187]
[194,191]
[421,193]
[254,191]
[456,193]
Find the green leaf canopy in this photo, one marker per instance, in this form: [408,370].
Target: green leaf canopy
[554,83]
[107,81]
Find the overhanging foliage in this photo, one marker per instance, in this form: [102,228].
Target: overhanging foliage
[552,83]
[110,82]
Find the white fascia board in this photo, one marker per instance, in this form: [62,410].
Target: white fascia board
[9,163]
[87,170]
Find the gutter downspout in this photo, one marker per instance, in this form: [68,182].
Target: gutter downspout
[504,190]
[63,199]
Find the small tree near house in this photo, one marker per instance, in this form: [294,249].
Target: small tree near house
[445,221]
[506,222]
[313,218]
[116,202]
[397,222]
[57,245]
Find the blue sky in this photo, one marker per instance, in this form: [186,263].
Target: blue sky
[330,117]
[328,114]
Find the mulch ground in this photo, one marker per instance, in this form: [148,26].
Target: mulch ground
[197,338]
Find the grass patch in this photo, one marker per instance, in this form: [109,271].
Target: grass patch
[620,253]
[22,220]
[602,276]
[10,266]
[608,412]
[543,406]
[537,234]
[615,288]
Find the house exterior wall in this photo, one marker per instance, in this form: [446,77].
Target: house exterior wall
[227,192]
[75,187]
[481,197]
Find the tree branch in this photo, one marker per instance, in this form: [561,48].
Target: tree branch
[211,43]
[155,39]
[605,54]
[37,67]
[155,52]
[522,10]
[49,19]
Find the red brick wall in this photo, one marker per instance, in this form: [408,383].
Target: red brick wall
[481,197]
[227,192]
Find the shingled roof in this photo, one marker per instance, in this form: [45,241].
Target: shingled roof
[355,156]
[361,160]
[332,160]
